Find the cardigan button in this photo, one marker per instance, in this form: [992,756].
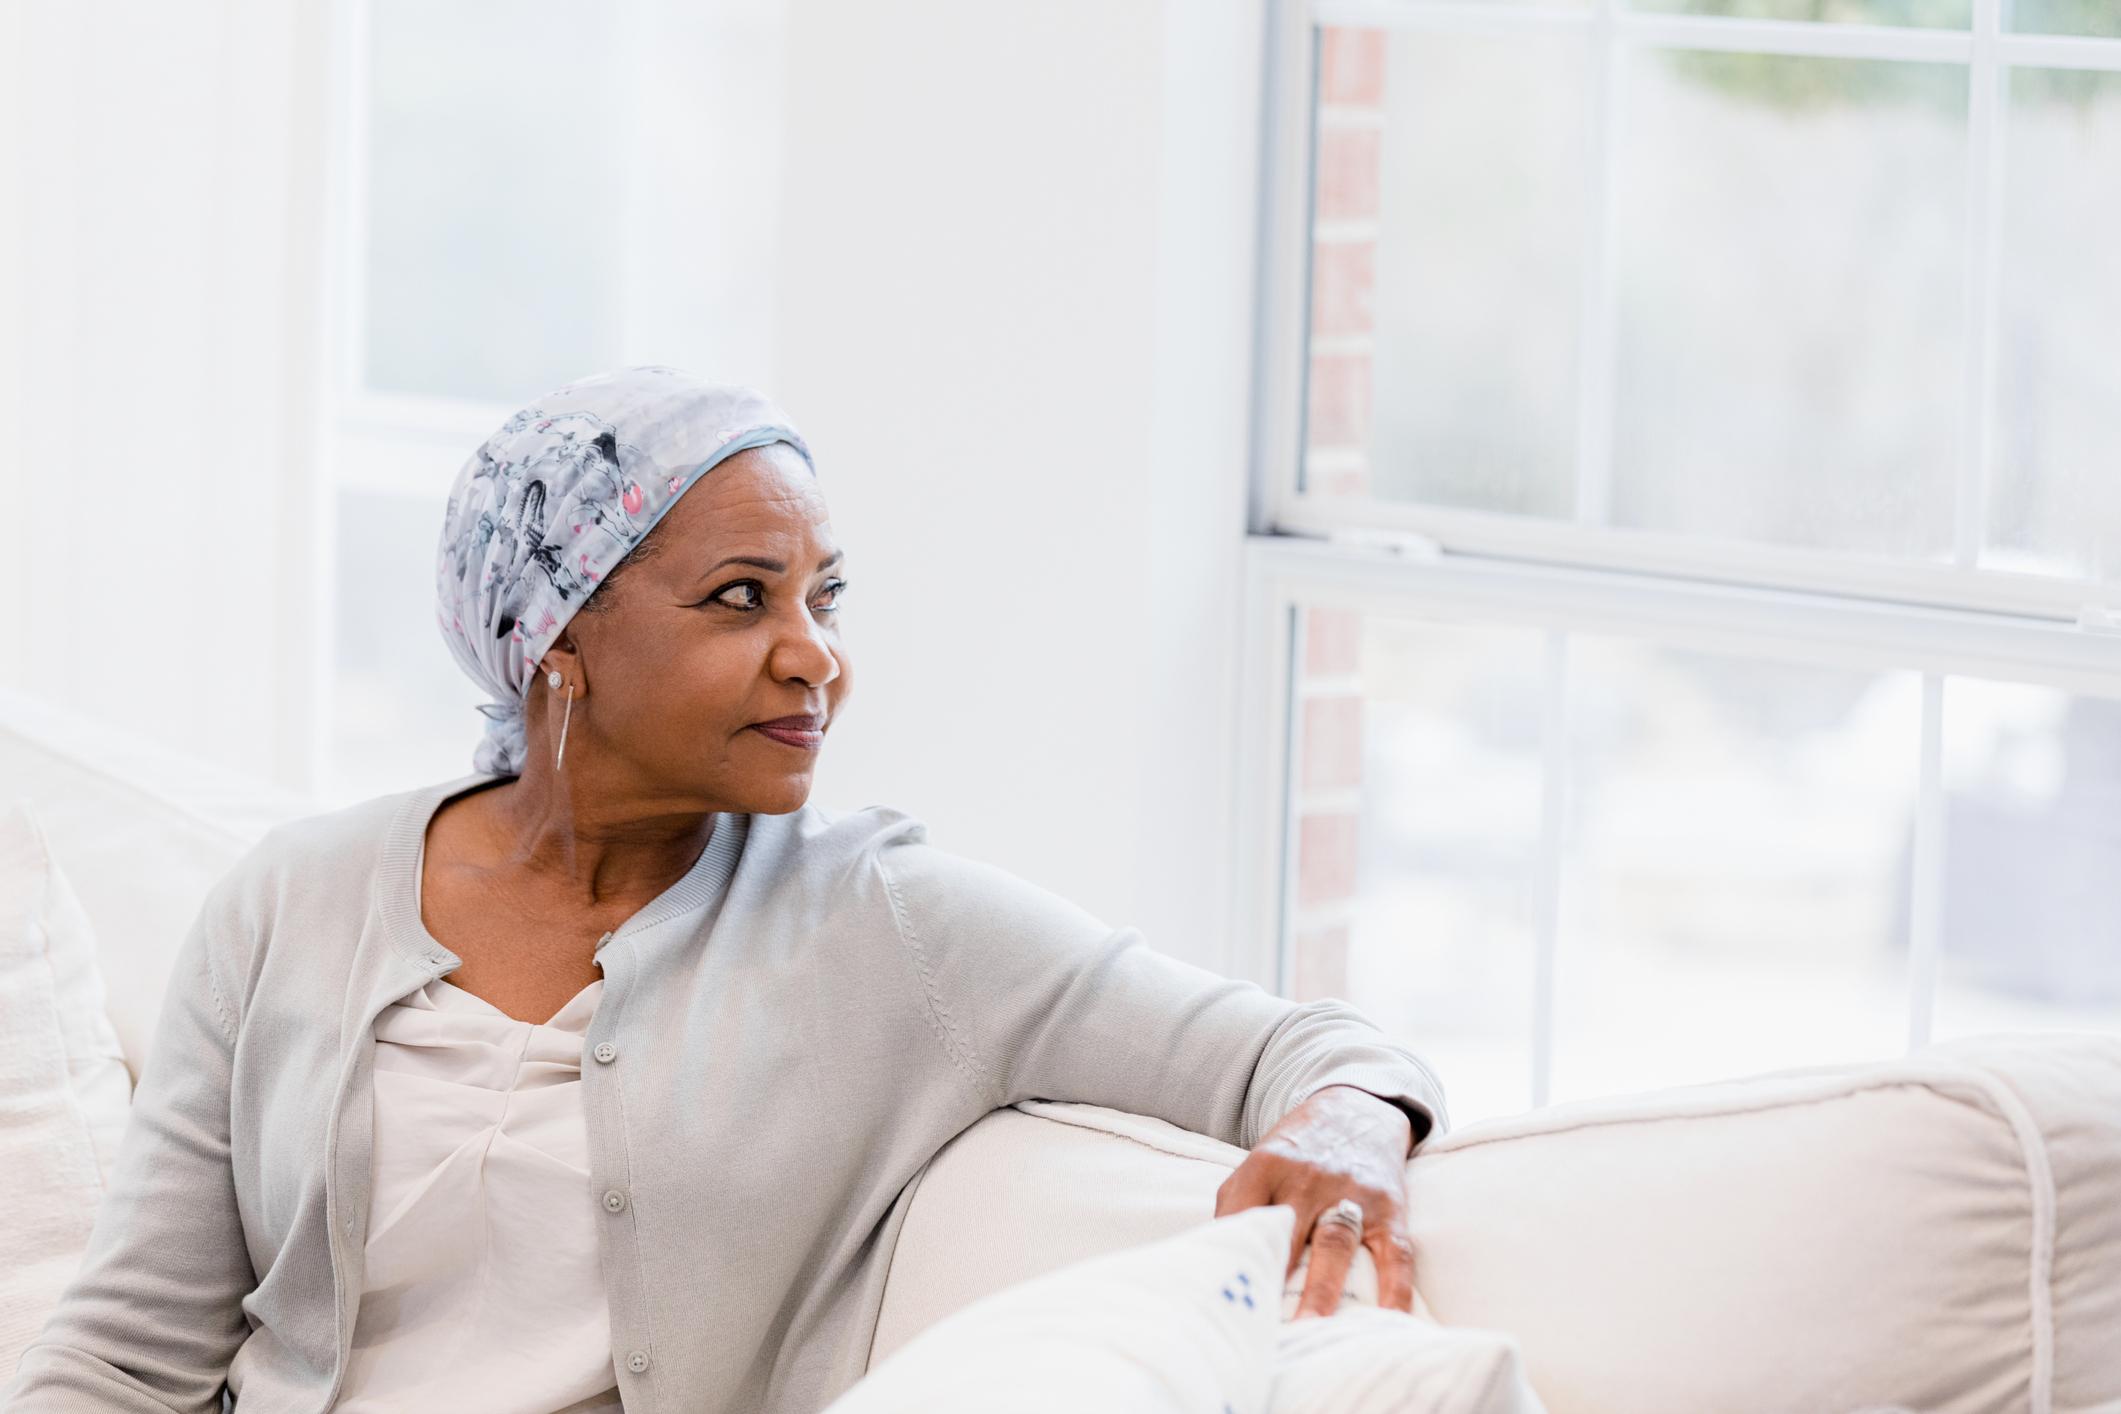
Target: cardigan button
[606,1052]
[637,1361]
[614,1200]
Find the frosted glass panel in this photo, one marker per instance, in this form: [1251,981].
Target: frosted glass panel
[1789,358]
[493,197]
[2095,18]
[1945,14]
[1446,274]
[1441,950]
[2032,881]
[2055,500]
[1734,853]
[1738,838]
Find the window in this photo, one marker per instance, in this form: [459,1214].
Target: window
[528,192]
[1687,531]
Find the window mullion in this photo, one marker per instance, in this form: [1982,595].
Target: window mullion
[1594,401]
[1987,84]
[1926,877]
[1553,840]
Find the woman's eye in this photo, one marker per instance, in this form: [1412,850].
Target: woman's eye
[834,588]
[750,584]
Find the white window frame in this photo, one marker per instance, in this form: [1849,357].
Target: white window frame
[1394,557]
[383,440]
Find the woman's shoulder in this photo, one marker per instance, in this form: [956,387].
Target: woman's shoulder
[819,830]
[924,880]
[344,845]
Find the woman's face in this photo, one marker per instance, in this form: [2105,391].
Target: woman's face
[723,617]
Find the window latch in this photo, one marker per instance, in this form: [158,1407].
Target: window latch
[1407,544]
[2099,618]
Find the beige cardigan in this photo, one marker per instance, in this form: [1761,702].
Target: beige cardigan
[806,1017]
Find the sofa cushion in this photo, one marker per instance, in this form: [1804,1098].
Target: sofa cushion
[1941,1232]
[65,1093]
[144,833]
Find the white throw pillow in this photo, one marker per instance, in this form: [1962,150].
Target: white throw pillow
[1185,1324]
[1373,1360]
[64,1087]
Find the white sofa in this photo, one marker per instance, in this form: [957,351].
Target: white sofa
[1939,1233]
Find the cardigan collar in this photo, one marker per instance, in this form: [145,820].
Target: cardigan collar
[405,853]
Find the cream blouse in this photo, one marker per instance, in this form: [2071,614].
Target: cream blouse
[482,1291]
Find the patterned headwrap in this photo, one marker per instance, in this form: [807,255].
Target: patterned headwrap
[549,503]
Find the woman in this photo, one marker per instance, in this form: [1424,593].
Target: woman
[368,1167]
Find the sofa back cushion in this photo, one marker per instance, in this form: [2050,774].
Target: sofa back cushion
[142,833]
[1042,1184]
[1940,1232]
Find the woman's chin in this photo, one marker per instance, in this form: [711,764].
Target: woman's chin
[778,795]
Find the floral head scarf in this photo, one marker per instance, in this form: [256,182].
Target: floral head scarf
[550,502]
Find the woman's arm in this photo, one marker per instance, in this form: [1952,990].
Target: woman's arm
[153,1316]
[1037,998]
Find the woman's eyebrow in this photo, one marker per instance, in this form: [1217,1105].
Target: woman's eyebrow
[777,566]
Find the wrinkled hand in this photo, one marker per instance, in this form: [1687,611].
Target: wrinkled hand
[1340,1143]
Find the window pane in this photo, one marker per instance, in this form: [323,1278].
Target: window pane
[2055,500]
[2098,18]
[1947,14]
[403,713]
[1733,883]
[1445,271]
[1418,903]
[1733,855]
[2032,877]
[1791,256]
[493,194]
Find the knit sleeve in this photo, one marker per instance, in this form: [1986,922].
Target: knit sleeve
[1038,999]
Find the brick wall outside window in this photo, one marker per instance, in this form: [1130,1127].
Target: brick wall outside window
[1328,786]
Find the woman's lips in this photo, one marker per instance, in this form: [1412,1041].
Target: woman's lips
[792,736]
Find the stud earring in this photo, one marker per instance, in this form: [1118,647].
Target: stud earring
[553,677]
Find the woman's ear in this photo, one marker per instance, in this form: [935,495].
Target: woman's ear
[564,658]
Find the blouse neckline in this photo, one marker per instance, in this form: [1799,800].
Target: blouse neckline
[573,1015]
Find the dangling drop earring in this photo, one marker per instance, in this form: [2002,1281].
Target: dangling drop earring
[565,717]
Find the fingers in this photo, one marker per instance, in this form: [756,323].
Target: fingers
[1393,1251]
[1333,1247]
[1246,1187]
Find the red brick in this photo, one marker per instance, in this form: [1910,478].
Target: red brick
[1332,742]
[1351,66]
[1326,857]
[1348,173]
[1343,288]
[1347,481]
[1339,400]
[1318,964]
[1332,641]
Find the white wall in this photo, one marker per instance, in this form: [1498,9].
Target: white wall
[159,317]
[1011,305]
[1013,321]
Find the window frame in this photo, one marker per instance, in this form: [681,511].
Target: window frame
[1280,505]
[1468,566]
